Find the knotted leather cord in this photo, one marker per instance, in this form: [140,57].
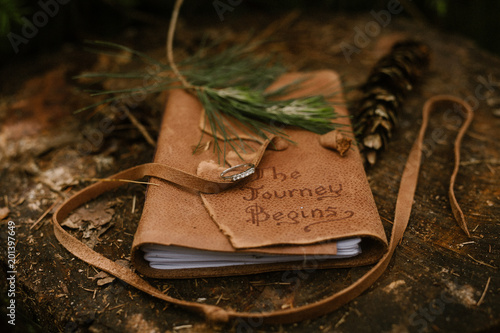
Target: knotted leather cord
[214,313]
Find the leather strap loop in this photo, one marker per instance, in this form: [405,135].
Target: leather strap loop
[214,313]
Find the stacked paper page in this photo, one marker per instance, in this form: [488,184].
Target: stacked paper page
[176,257]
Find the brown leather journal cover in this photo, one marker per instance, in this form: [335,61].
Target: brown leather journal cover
[301,199]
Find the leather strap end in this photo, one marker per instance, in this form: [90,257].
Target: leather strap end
[457,212]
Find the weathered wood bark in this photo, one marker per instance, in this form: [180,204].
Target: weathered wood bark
[436,278]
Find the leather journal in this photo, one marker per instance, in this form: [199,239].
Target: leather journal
[301,201]
[274,206]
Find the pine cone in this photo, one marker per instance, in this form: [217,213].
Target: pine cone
[383,94]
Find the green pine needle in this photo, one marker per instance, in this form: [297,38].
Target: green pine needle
[232,83]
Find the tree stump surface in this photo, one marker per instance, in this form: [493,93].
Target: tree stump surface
[435,280]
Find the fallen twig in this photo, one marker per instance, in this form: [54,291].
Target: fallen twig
[140,127]
[484,292]
[481,262]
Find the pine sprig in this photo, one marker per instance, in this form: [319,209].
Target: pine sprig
[233,67]
[230,83]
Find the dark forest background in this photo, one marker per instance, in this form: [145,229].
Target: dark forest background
[77,20]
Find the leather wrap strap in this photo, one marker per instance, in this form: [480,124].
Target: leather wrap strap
[214,313]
